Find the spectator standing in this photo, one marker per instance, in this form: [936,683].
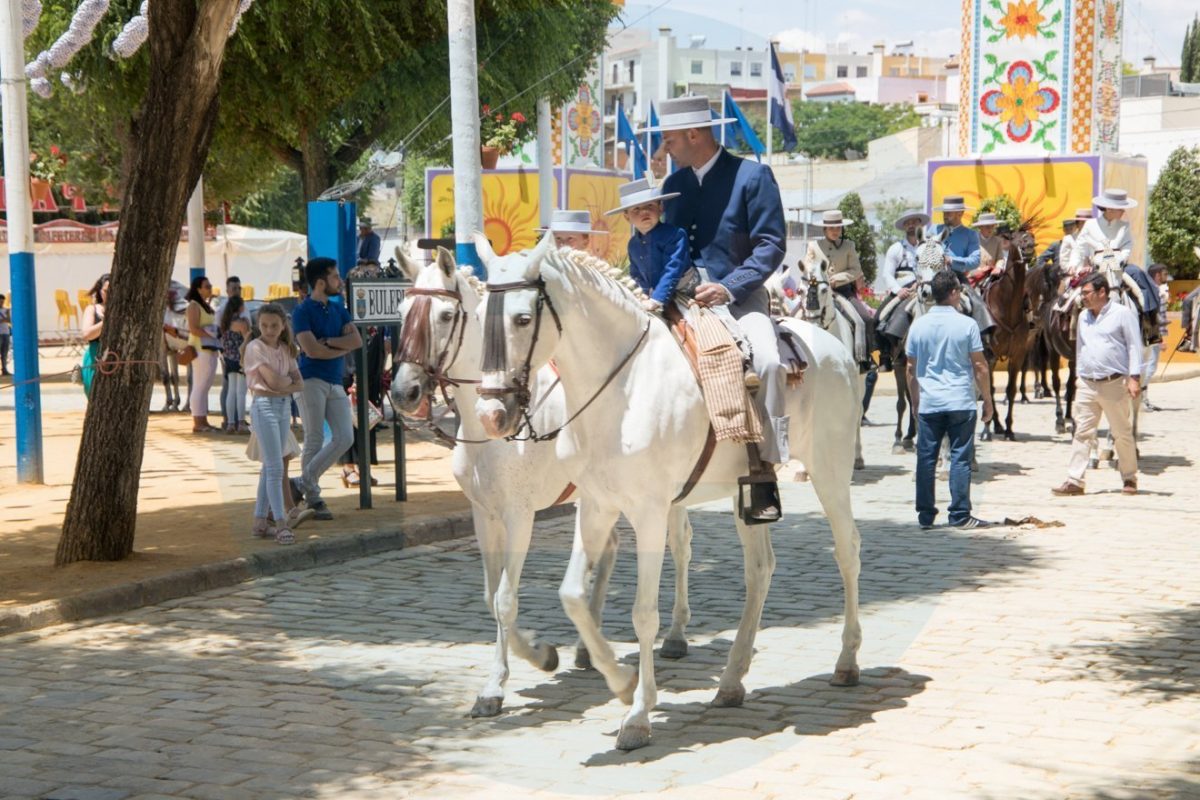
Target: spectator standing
[368,242]
[203,337]
[93,325]
[325,334]
[1108,360]
[235,330]
[5,335]
[233,288]
[945,351]
[1160,278]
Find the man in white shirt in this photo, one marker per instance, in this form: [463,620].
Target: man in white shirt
[1108,359]
[899,276]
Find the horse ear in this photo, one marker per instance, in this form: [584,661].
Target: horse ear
[407,266]
[445,260]
[484,248]
[535,258]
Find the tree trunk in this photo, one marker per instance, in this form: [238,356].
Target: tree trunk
[172,132]
[316,173]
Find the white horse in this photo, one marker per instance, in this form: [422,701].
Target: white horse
[506,482]
[639,418]
[820,307]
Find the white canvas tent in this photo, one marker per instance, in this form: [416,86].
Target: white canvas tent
[258,257]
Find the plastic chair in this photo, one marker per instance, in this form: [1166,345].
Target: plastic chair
[278,291]
[85,299]
[66,311]
[247,292]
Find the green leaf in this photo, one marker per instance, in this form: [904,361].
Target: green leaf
[996,5]
[990,58]
[989,147]
[1048,145]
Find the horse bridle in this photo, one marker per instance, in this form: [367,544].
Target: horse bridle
[495,356]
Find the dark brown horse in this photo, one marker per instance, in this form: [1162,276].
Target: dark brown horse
[1004,295]
[1042,288]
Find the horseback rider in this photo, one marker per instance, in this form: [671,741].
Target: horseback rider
[844,272]
[991,251]
[963,255]
[899,274]
[571,229]
[733,215]
[1058,252]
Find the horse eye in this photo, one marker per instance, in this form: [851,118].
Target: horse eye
[447,316]
[523,320]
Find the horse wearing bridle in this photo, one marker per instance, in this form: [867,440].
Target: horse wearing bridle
[1004,294]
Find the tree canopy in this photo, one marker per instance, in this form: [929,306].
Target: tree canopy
[859,232]
[842,130]
[1189,54]
[1174,221]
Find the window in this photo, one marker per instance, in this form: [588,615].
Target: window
[616,73]
[631,71]
[789,74]
[810,71]
[697,67]
[755,69]
[893,72]
[633,100]
[860,72]
[735,68]
[843,71]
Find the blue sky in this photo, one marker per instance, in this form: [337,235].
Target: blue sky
[1152,27]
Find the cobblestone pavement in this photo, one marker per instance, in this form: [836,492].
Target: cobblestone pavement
[1009,663]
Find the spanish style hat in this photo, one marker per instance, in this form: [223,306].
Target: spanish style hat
[681,113]
[566,221]
[636,193]
[1114,198]
[365,222]
[1084,214]
[986,218]
[906,216]
[953,202]
[833,219]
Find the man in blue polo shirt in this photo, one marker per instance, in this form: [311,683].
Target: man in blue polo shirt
[325,335]
[945,351]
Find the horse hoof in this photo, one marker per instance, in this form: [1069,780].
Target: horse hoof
[625,695]
[583,659]
[487,707]
[898,449]
[730,698]
[549,657]
[1009,436]
[844,677]
[910,445]
[674,648]
[943,475]
[1024,401]
[633,736]
[1094,463]
[1060,428]
[860,464]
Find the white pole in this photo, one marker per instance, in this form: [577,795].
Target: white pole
[195,224]
[770,89]
[545,160]
[723,114]
[616,144]
[562,185]
[464,121]
[27,398]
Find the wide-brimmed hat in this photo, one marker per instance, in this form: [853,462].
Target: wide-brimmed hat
[635,193]
[365,222]
[1114,198]
[833,219]
[986,218]
[1084,214]
[1071,221]
[906,216]
[953,202]
[566,221]
[681,113]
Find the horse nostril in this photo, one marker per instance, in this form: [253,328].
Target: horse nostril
[413,394]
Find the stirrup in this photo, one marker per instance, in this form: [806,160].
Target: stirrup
[758,492]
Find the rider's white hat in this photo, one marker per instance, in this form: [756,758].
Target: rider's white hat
[566,221]
[953,202]
[1114,198]
[833,219]
[636,193]
[986,218]
[905,217]
[681,113]
[1084,214]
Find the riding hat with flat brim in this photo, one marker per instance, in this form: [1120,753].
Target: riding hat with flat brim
[953,202]
[917,215]
[365,222]
[986,218]
[566,221]
[1114,198]
[833,219]
[1084,214]
[639,192]
[681,113]
[1071,221]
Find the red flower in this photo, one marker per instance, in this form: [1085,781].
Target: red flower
[54,150]
[499,118]
[518,116]
[487,109]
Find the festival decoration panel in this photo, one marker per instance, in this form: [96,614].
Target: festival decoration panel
[1040,77]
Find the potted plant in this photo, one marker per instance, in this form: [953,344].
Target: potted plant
[502,135]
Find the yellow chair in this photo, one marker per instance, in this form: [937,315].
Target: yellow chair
[247,292]
[278,291]
[85,299]
[66,311]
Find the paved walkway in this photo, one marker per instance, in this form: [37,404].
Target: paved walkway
[1013,663]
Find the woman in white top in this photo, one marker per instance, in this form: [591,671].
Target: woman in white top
[1108,231]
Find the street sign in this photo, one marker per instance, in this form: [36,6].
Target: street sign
[376,301]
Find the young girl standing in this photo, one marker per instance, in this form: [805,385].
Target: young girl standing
[273,376]
[234,330]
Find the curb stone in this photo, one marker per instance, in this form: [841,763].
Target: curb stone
[203,577]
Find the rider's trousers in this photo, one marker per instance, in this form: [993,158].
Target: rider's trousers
[753,314]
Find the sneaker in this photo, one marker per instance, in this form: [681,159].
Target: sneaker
[971,523]
[1067,489]
[1129,487]
[320,510]
[298,516]
[1148,406]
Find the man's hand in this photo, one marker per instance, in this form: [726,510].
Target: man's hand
[989,410]
[949,260]
[1133,386]
[905,292]
[712,294]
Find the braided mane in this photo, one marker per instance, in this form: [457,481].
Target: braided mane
[610,280]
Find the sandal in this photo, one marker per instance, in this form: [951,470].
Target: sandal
[350,478]
[284,536]
[262,529]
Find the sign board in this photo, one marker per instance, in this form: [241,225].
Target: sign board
[376,301]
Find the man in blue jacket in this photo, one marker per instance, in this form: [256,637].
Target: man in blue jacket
[963,253]
[733,216]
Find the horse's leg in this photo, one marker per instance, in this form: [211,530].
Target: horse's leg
[593,526]
[601,572]
[650,525]
[679,538]
[1060,425]
[1070,419]
[489,534]
[985,435]
[758,567]
[901,372]
[519,528]
[1011,394]
[858,455]
[834,496]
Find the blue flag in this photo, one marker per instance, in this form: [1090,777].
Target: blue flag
[655,136]
[741,129]
[781,107]
[625,134]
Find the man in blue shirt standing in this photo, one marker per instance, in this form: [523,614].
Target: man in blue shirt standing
[963,253]
[325,335]
[368,242]
[945,351]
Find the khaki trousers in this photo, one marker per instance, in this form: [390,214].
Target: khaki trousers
[1111,398]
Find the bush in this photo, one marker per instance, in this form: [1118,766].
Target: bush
[859,232]
[1174,221]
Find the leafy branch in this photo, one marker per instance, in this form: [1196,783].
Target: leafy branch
[1043,66]
[998,69]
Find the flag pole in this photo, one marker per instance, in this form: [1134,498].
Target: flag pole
[770,85]
[723,114]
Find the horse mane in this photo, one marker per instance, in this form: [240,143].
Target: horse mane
[468,275]
[613,283]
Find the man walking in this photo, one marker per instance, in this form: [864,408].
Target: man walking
[325,335]
[945,351]
[1108,358]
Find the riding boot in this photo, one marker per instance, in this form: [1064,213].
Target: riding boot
[758,492]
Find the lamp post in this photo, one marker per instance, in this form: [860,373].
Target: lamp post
[464,120]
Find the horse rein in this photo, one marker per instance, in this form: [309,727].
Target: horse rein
[495,357]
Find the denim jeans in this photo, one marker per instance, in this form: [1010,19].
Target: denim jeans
[959,426]
[272,425]
[322,402]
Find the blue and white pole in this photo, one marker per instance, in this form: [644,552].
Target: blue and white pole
[464,121]
[195,224]
[28,393]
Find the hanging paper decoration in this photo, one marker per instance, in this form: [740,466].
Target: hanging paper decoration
[41,87]
[72,82]
[31,12]
[77,36]
[242,7]
[133,34]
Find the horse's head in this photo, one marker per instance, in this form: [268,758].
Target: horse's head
[438,333]
[521,329]
[818,296]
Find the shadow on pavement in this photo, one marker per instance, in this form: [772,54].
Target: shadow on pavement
[1162,660]
[1157,465]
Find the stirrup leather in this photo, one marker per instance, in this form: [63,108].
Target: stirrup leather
[758,492]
